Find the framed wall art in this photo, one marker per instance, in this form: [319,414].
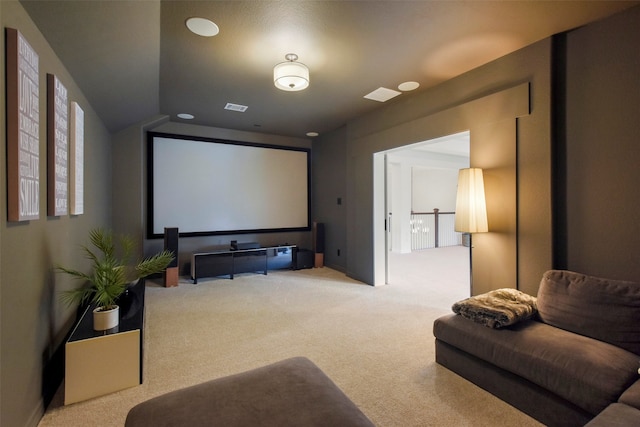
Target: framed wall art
[57,147]
[76,159]
[23,128]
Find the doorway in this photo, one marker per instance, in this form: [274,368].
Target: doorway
[419,187]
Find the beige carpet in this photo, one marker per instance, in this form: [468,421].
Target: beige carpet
[376,343]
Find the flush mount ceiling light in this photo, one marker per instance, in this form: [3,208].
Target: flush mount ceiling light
[291,75]
[202,27]
[185,116]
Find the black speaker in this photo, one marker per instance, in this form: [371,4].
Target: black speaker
[171,244]
[318,237]
[304,259]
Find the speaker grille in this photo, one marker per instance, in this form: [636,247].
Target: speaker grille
[171,244]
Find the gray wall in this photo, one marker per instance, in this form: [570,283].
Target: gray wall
[329,185]
[602,99]
[33,322]
[449,108]
[130,180]
[603,147]
[597,142]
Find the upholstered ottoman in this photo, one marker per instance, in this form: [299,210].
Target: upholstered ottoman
[292,392]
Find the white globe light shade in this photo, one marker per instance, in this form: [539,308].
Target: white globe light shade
[291,76]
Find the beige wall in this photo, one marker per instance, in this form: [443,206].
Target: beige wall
[33,321]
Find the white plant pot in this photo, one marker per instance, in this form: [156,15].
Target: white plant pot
[105,319]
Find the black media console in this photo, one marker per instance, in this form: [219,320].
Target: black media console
[230,262]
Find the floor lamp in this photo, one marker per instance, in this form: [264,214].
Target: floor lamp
[471,208]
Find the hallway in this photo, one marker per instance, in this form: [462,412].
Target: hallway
[445,271]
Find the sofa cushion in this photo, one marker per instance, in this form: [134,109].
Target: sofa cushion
[604,309]
[616,415]
[631,396]
[589,373]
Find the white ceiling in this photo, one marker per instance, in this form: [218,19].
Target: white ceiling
[454,145]
[447,152]
[136,59]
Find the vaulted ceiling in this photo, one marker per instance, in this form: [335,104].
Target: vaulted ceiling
[136,59]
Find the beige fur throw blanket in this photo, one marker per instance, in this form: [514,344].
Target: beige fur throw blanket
[499,308]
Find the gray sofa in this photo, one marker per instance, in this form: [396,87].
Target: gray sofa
[574,362]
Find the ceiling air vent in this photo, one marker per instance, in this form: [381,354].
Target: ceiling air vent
[382,94]
[235,107]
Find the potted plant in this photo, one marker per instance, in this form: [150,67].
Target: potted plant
[112,272]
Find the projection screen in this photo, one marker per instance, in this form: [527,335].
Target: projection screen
[211,187]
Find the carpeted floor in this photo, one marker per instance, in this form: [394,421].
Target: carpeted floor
[375,343]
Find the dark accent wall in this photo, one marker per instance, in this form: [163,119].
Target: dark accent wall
[129,187]
[473,100]
[559,149]
[600,157]
[33,321]
[330,195]
[577,153]
[603,147]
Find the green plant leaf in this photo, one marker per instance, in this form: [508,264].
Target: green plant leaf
[110,274]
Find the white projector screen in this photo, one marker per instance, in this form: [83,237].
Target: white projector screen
[207,186]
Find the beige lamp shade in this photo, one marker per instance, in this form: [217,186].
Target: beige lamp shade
[291,75]
[471,207]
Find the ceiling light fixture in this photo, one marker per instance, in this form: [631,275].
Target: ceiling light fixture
[291,75]
[185,116]
[202,27]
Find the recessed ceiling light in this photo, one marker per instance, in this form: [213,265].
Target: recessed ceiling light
[407,86]
[382,94]
[185,116]
[202,27]
[312,134]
